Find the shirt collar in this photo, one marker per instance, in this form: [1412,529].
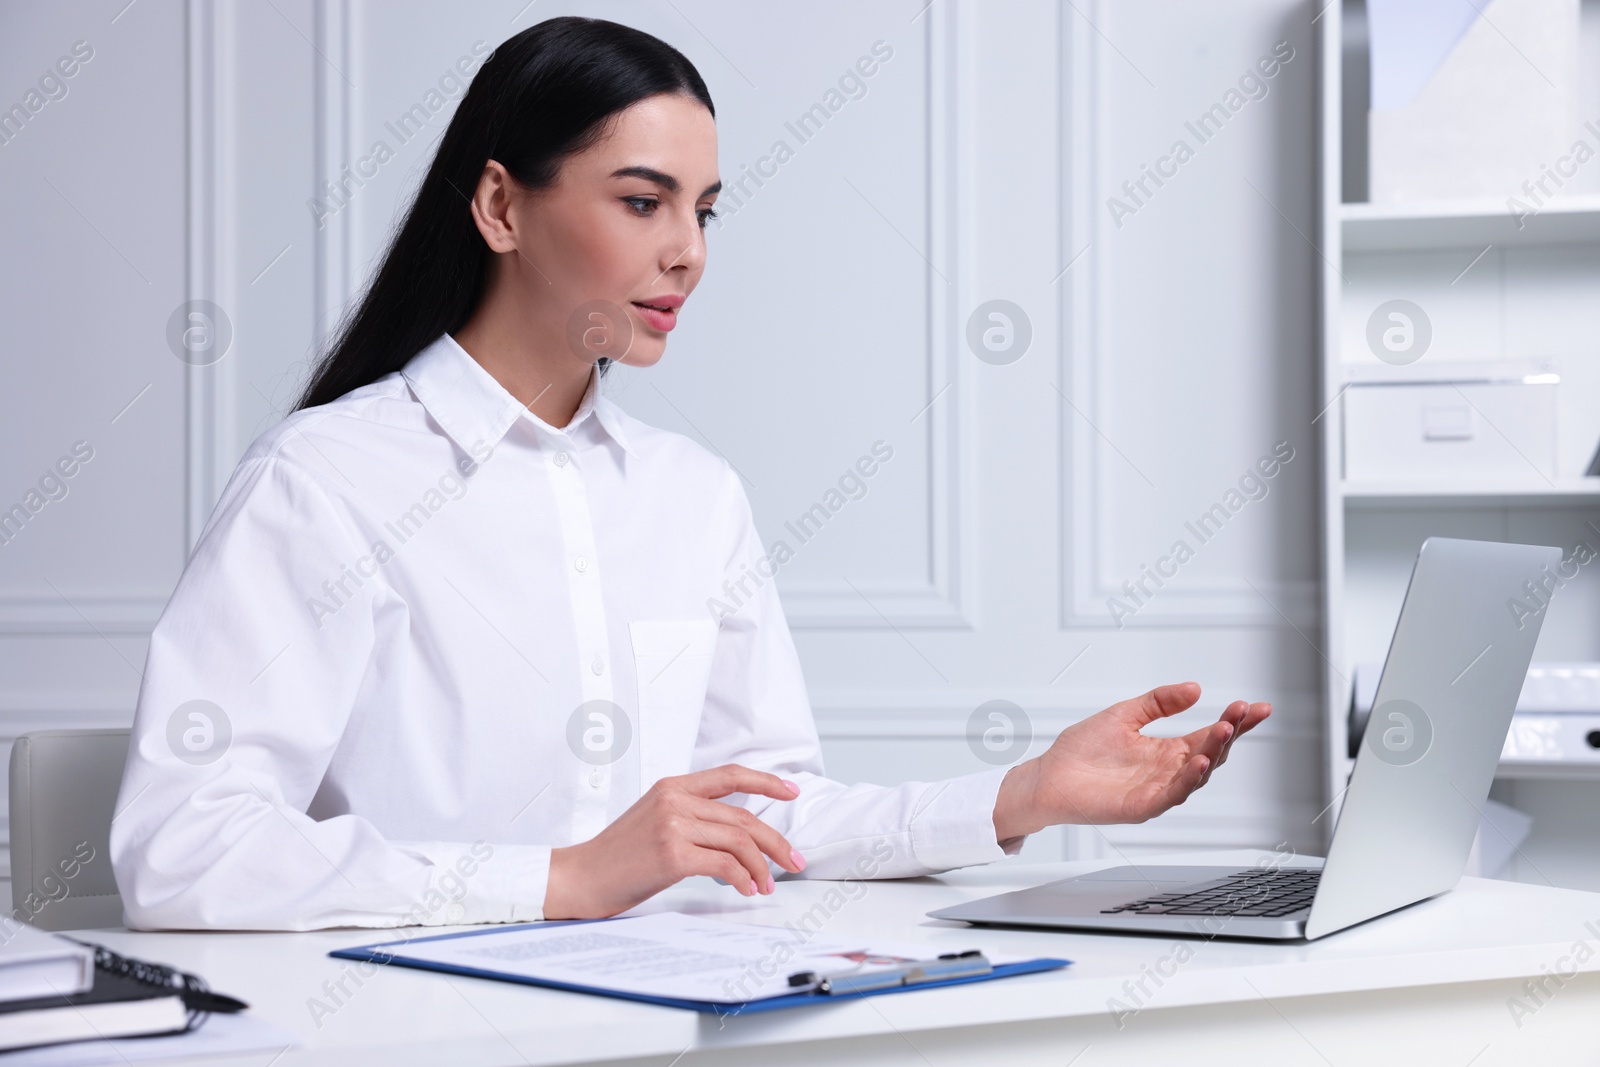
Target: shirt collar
[475,410]
[607,414]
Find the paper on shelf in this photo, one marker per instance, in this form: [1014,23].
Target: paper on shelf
[1494,112]
[1410,40]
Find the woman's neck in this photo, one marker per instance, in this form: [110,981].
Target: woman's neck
[536,369]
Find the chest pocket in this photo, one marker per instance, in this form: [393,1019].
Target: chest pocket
[672,661]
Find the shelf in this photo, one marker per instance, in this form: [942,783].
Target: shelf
[1549,770]
[1518,770]
[1522,770]
[1466,224]
[1574,491]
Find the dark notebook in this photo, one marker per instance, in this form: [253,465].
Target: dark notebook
[130,998]
[117,1006]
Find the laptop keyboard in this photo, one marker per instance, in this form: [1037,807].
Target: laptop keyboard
[1261,893]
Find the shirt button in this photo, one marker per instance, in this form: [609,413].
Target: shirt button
[597,778]
[455,913]
[561,459]
[597,666]
[582,563]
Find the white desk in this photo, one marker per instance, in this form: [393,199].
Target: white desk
[1428,985]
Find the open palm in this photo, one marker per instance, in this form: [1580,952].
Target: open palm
[1105,770]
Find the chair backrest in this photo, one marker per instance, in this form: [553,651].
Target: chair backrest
[63,795]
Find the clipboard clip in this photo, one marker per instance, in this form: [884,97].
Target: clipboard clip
[969,964]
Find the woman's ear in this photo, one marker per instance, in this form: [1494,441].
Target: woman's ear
[491,208]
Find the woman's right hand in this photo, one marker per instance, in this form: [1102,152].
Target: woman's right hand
[677,829]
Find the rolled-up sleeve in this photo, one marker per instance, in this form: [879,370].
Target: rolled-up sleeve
[757,714]
[253,670]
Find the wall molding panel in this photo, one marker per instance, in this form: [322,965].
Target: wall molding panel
[1090,514]
[96,614]
[210,248]
[942,603]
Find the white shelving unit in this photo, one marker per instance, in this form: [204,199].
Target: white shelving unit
[1494,290]
[1468,224]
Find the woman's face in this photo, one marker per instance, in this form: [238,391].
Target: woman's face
[617,244]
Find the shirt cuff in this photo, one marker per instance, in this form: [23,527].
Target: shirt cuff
[482,883]
[954,824]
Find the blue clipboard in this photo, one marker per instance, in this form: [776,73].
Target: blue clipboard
[390,953]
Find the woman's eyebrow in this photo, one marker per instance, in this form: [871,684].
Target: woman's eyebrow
[666,181]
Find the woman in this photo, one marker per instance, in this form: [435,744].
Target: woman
[443,653]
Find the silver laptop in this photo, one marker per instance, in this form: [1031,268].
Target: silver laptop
[1427,757]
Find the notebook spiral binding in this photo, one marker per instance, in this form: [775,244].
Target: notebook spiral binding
[197,996]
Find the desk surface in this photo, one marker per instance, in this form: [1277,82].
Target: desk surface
[1484,930]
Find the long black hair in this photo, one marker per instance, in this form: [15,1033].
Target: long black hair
[540,97]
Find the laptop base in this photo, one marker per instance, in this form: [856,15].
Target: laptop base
[1083,903]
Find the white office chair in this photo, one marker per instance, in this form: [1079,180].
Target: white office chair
[63,794]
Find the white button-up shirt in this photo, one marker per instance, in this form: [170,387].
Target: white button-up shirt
[426,637]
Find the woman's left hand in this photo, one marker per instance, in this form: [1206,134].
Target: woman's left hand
[1103,770]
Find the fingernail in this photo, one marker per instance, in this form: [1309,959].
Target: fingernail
[799,860]
[792,787]
[772,886]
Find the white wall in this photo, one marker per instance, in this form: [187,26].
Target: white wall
[1172,347]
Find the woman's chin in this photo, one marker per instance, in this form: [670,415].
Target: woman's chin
[645,352]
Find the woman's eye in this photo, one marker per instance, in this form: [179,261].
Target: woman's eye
[646,206]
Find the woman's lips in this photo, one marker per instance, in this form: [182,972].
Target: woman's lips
[663,319]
